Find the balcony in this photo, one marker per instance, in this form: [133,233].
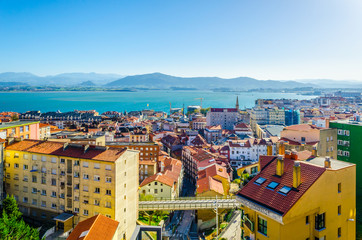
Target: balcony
[248,223]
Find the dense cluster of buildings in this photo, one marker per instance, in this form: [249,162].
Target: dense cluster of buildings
[293,165]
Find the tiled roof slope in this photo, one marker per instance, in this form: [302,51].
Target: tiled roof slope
[271,198]
[71,150]
[100,228]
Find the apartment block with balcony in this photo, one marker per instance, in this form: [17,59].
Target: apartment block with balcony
[289,197]
[50,178]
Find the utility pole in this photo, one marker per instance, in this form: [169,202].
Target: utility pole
[216,209]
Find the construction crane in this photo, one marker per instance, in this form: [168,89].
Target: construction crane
[200,101]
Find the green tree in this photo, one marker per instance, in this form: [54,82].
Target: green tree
[15,117]
[12,226]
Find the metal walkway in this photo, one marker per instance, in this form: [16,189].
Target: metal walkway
[188,203]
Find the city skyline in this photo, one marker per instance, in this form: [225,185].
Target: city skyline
[266,40]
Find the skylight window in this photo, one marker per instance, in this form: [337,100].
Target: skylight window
[285,190]
[260,181]
[83,234]
[273,185]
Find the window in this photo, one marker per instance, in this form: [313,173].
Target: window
[54,182]
[34,202]
[156,183]
[331,138]
[262,226]
[76,174]
[97,178]
[54,205]
[62,160]
[43,180]
[85,176]
[97,190]
[85,188]
[285,190]
[340,132]
[76,163]
[347,132]
[85,164]
[21,129]
[320,221]
[85,212]
[108,179]
[43,158]
[108,205]
[96,202]
[43,203]
[339,187]
[339,232]
[16,165]
[272,185]
[25,167]
[307,220]
[43,192]
[97,166]
[25,156]
[25,189]
[62,195]
[54,194]
[76,186]
[108,192]
[156,191]
[260,181]
[33,179]
[76,210]
[26,128]
[33,157]
[54,160]
[327,139]
[25,199]
[76,198]
[108,167]
[43,170]
[34,190]
[339,210]
[54,171]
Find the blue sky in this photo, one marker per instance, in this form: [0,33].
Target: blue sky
[265,39]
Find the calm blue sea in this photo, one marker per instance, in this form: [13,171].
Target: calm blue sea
[121,101]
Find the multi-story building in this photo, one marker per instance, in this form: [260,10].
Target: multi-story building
[309,137]
[349,139]
[292,117]
[44,131]
[243,152]
[49,178]
[198,123]
[2,147]
[148,155]
[138,137]
[20,129]
[262,116]
[166,184]
[213,133]
[226,117]
[292,200]
[276,116]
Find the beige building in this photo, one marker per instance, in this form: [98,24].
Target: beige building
[309,137]
[50,178]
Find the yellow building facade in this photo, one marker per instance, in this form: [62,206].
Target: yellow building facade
[49,178]
[301,207]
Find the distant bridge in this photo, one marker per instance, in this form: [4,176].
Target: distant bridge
[189,203]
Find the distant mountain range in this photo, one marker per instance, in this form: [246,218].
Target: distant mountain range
[64,79]
[159,80]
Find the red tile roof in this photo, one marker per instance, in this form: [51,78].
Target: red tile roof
[271,198]
[99,227]
[71,150]
[209,184]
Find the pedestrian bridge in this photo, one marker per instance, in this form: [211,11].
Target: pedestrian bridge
[189,203]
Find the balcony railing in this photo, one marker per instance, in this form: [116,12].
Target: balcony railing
[248,223]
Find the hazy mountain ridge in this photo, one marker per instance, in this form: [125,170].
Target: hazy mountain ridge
[67,79]
[159,80]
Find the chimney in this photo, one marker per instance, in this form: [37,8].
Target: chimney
[281,148]
[86,147]
[269,150]
[314,152]
[287,154]
[294,155]
[65,146]
[280,165]
[296,174]
[327,162]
